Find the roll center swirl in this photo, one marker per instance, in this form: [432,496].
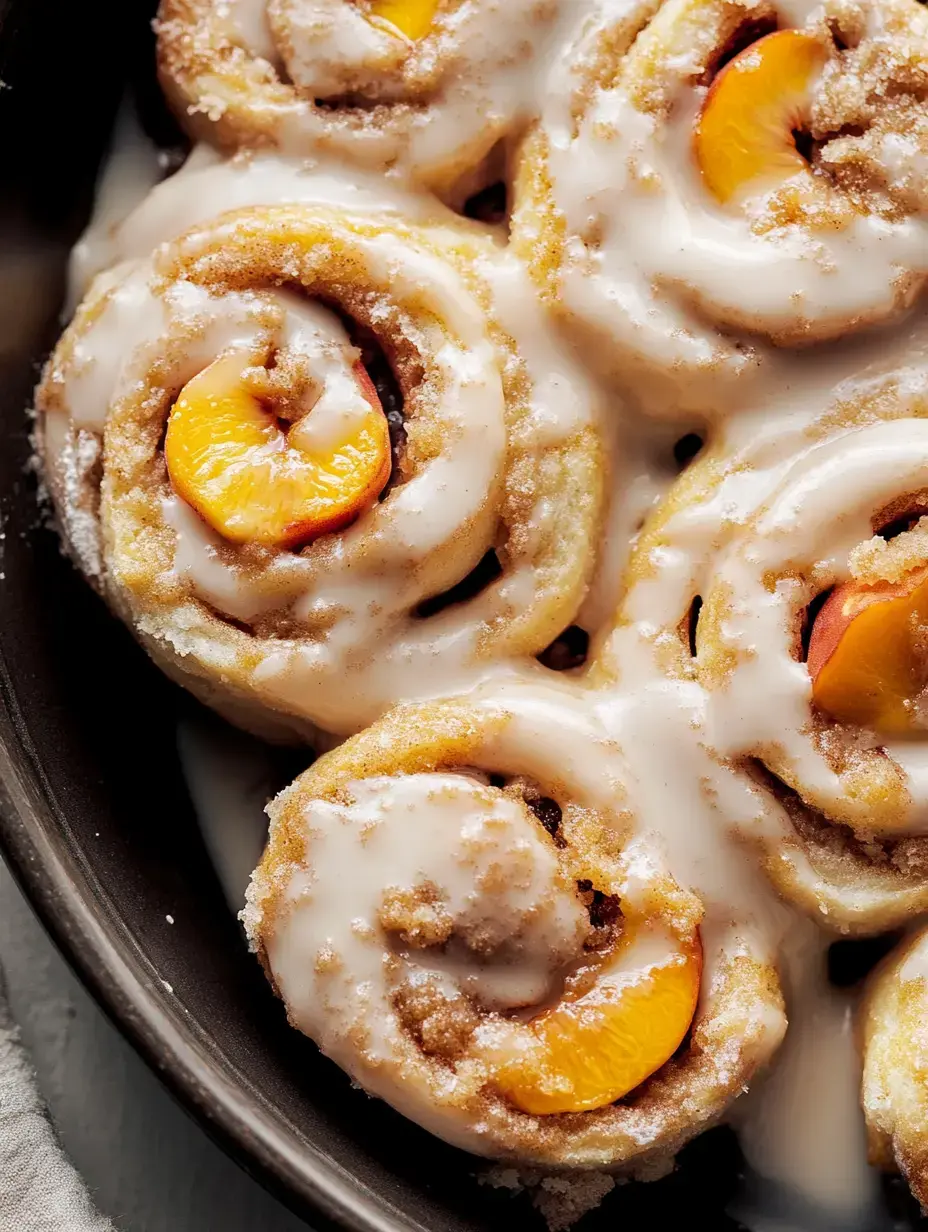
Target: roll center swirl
[281,452]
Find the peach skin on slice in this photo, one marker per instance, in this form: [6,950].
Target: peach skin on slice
[745,135]
[411,17]
[229,459]
[590,1052]
[868,653]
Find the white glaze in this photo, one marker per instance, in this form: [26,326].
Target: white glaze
[494,872]
[207,185]
[132,169]
[476,77]
[684,289]
[375,646]
[230,777]
[801,1129]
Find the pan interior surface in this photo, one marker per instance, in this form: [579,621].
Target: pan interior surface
[96,818]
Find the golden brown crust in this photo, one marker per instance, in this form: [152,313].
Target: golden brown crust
[342,261]
[894,1035]
[842,859]
[655,64]
[740,1020]
[430,105]
[538,227]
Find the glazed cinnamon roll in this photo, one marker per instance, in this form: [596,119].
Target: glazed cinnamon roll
[426,87]
[747,178]
[892,1028]
[293,546]
[209,184]
[779,586]
[508,963]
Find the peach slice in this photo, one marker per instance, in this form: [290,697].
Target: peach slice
[868,653]
[229,459]
[411,17]
[590,1052]
[744,139]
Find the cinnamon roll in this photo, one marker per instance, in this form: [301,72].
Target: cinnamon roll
[778,586]
[508,964]
[296,548]
[424,87]
[209,184]
[895,1048]
[747,178]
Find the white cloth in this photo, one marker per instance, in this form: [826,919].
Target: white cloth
[39,1189]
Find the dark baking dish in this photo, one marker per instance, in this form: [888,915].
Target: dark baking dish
[94,815]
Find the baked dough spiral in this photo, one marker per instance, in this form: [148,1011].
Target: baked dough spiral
[321,606]
[314,439]
[427,87]
[725,592]
[673,222]
[893,1021]
[508,957]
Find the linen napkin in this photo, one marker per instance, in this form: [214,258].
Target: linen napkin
[39,1188]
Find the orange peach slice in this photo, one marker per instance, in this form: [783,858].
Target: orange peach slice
[228,457]
[590,1052]
[411,17]
[745,136]
[868,653]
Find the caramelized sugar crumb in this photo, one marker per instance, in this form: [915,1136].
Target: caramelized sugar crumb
[288,388]
[807,203]
[328,962]
[867,131]
[834,849]
[441,1021]
[869,116]
[879,560]
[561,1199]
[744,36]
[418,916]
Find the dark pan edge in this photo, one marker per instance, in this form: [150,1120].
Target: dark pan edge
[70,905]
